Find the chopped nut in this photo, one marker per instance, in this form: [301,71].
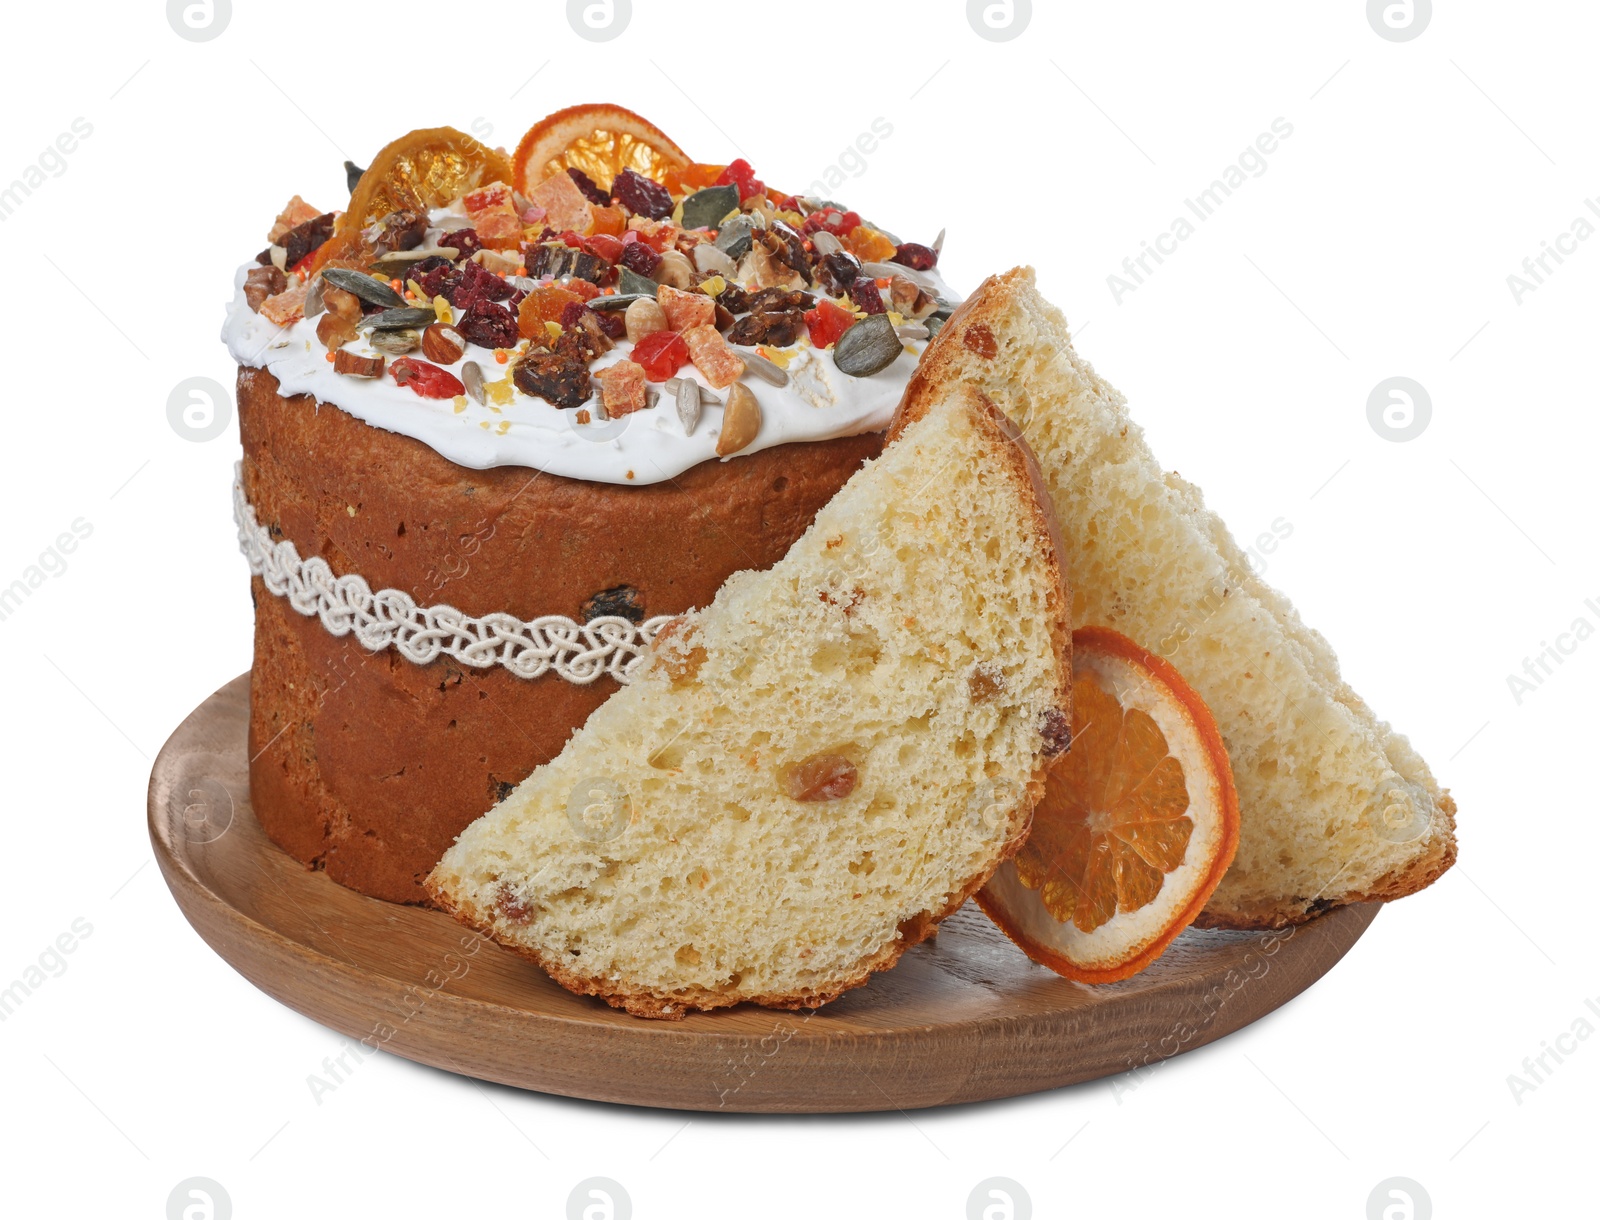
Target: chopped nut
[333,331]
[443,344]
[675,270]
[357,366]
[741,421]
[261,283]
[822,777]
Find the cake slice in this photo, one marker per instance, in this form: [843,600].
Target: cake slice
[1335,806]
[806,776]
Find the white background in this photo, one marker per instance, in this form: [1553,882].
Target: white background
[1377,243]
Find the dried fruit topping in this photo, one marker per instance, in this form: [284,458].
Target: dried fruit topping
[564,204]
[296,212]
[641,196]
[822,777]
[488,325]
[1056,730]
[660,355]
[558,261]
[685,309]
[740,174]
[560,379]
[353,365]
[582,334]
[918,258]
[305,239]
[985,682]
[334,331]
[865,294]
[741,420]
[544,304]
[466,241]
[436,276]
[711,354]
[869,245]
[402,230]
[344,304]
[733,298]
[777,328]
[622,388]
[644,317]
[587,188]
[638,257]
[285,307]
[606,246]
[261,283]
[443,344]
[868,347]
[831,220]
[424,379]
[775,300]
[837,271]
[476,284]
[612,222]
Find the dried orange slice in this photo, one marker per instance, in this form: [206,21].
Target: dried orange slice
[1137,825]
[601,140]
[425,169]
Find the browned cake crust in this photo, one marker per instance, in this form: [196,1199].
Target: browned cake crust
[369,765]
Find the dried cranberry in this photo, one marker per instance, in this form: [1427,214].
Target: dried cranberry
[433,274]
[613,323]
[641,195]
[465,240]
[837,271]
[864,292]
[581,333]
[740,174]
[918,258]
[587,187]
[637,256]
[561,380]
[476,285]
[488,325]
[427,380]
[661,354]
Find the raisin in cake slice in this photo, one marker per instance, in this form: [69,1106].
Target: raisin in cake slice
[1335,806]
[809,774]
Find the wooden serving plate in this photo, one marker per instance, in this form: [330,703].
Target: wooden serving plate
[964,1017]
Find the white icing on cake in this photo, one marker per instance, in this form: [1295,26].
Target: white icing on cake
[646,447]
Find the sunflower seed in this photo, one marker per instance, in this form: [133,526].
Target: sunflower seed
[688,396]
[705,208]
[938,243]
[374,292]
[472,378]
[868,347]
[396,342]
[524,283]
[912,331]
[711,261]
[631,283]
[767,370]
[734,238]
[279,256]
[398,319]
[706,396]
[741,420]
[314,302]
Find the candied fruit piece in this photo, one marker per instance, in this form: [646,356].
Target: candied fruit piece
[827,322]
[611,221]
[622,388]
[869,245]
[711,354]
[286,306]
[606,246]
[586,186]
[488,325]
[660,354]
[685,310]
[424,379]
[822,777]
[917,257]
[564,204]
[833,220]
[296,212]
[740,174]
[864,292]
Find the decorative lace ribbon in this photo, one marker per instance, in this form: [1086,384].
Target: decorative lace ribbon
[578,652]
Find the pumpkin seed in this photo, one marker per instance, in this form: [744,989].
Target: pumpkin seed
[472,378]
[707,207]
[868,347]
[397,264]
[352,175]
[396,342]
[688,396]
[314,302]
[734,239]
[398,319]
[755,362]
[709,260]
[631,283]
[741,419]
[934,325]
[373,292]
[619,300]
